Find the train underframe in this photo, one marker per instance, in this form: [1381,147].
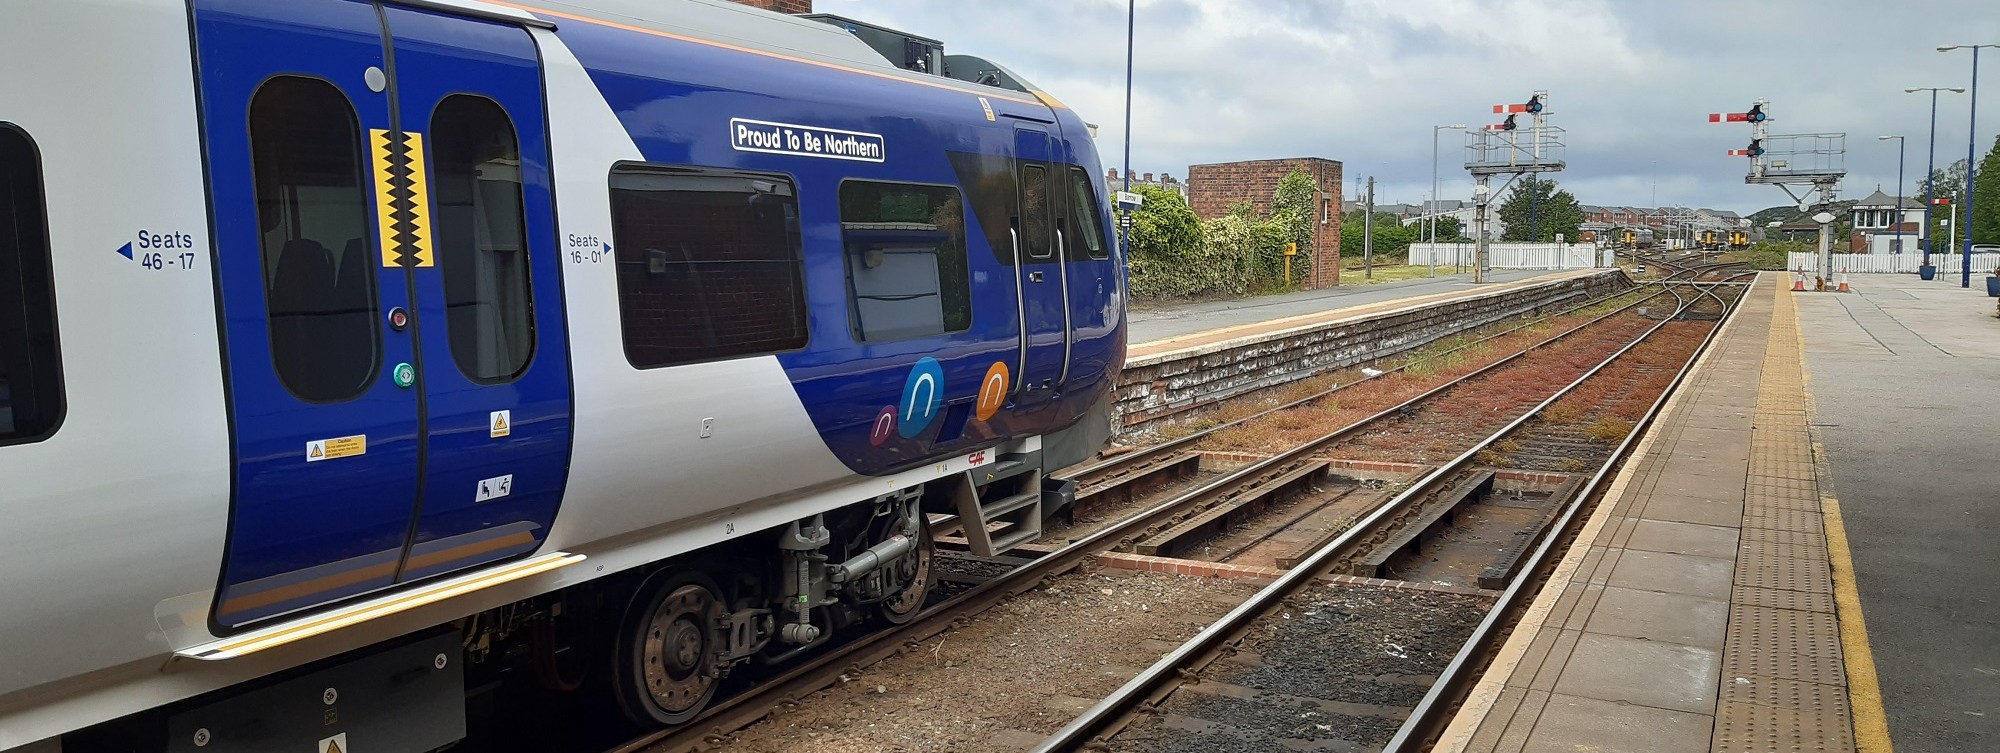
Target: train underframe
[660,640]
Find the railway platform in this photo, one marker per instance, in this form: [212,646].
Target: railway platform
[1697,611]
[1158,327]
[1711,601]
[1187,356]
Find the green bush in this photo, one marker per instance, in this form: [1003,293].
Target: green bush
[1770,256]
[1176,254]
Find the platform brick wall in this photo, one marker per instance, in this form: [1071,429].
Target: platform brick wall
[781,6]
[1159,386]
[1212,189]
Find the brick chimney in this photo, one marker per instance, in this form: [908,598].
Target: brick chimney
[781,6]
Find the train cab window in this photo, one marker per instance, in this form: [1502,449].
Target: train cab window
[1089,219]
[1035,211]
[906,268]
[31,391]
[708,264]
[319,258]
[481,239]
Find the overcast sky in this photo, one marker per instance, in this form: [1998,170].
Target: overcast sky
[1362,81]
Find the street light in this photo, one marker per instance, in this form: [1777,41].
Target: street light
[1971,159]
[1125,224]
[1898,214]
[1930,175]
[1434,189]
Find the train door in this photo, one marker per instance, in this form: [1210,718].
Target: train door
[386,278]
[495,370]
[1089,273]
[1038,270]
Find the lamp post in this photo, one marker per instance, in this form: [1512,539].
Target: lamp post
[1434,189]
[1971,158]
[1898,214]
[1930,174]
[1125,223]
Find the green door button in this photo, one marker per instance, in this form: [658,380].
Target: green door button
[406,375]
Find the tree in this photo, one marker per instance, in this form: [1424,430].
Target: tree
[1166,236]
[1986,198]
[1553,212]
[1948,184]
[1295,206]
[1447,230]
[1164,225]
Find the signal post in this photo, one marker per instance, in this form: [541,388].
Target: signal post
[1504,149]
[1815,161]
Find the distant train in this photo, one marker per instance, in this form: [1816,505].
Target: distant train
[364,351]
[1634,238]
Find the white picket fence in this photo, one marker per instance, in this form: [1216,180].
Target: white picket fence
[1511,255]
[1862,264]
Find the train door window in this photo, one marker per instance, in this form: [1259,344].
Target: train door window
[312,213]
[481,239]
[708,264]
[906,267]
[1089,221]
[31,393]
[1035,211]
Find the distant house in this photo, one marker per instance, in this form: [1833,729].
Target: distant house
[1882,226]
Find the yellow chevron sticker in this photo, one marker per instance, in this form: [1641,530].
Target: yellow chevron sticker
[379,142]
[402,197]
[420,200]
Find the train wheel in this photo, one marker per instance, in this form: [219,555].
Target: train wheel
[668,649]
[918,568]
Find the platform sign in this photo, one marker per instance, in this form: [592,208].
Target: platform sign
[1130,201]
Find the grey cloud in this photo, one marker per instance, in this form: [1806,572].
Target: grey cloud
[1362,81]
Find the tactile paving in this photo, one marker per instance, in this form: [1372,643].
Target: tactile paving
[1751,728]
[1806,521]
[1782,632]
[1785,486]
[1775,536]
[1810,697]
[1761,548]
[1789,573]
[1760,501]
[1825,670]
[1777,598]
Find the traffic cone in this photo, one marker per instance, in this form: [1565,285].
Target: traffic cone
[1843,280]
[1799,281]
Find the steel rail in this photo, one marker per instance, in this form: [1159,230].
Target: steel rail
[1105,716]
[1420,728]
[824,669]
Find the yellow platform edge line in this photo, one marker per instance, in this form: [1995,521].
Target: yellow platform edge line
[1864,689]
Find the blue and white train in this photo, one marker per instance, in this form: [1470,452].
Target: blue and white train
[353,351]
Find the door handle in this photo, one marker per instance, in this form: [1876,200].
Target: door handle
[1034,277]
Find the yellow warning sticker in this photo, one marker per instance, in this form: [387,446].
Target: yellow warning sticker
[988,106]
[338,447]
[501,424]
[335,744]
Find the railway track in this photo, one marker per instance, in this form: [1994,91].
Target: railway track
[1006,577]
[1259,678]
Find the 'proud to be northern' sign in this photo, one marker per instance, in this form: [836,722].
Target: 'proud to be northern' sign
[806,141]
